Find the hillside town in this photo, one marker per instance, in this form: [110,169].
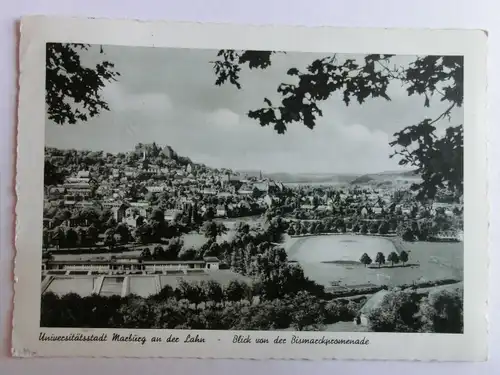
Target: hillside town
[123,225]
[92,197]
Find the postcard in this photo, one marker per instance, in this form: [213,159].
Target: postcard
[226,191]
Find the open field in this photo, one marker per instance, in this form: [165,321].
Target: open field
[334,260]
[336,248]
[83,286]
[191,240]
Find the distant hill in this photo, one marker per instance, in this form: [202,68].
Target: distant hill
[362,180]
[303,177]
[384,176]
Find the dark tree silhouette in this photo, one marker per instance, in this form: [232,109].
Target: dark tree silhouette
[403,257]
[380,258]
[365,259]
[439,160]
[72,94]
[72,89]
[408,235]
[393,258]
[52,175]
[442,312]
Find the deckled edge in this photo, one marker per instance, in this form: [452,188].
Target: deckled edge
[17,349]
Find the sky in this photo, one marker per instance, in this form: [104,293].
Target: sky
[168,96]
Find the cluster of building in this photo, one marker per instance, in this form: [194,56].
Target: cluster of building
[126,190]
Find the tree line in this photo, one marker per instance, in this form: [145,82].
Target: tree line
[380,258]
[239,306]
[439,311]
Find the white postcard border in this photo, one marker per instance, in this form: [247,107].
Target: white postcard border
[37,30]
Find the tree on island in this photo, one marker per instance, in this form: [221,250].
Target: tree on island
[365,259]
[403,257]
[380,259]
[393,258]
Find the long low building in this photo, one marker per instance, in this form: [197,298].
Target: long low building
[126,265]
[123,285]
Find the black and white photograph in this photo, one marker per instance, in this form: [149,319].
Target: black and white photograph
[252,190]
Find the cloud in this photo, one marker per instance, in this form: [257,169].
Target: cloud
[225,118]
[146,103]
[169,96]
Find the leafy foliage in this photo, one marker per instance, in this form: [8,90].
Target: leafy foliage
[72,90]
[365,259]
[214,229]
[396,313]
[228,68]
[403,256]
[393,258]
[442,312]
[439,160]
[323,77]
[380,258]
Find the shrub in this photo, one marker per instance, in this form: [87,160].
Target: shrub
[397,313]
[383,228]
[442,312]
[341,311]
[408,235]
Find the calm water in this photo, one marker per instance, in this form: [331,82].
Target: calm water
[334,260]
